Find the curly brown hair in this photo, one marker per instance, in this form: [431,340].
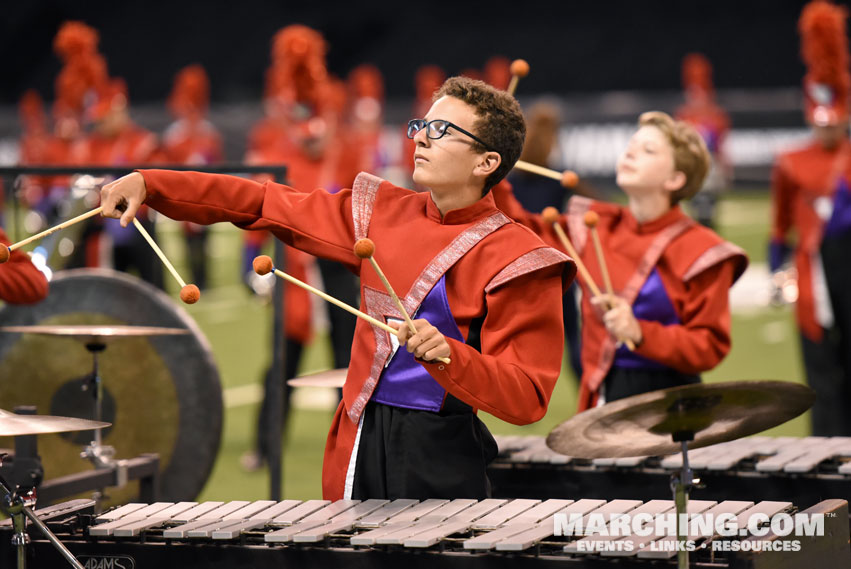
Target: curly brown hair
[691,156]
[499,121]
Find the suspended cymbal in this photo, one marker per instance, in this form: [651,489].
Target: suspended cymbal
[652,423]
[95,332]
[330,378]
[12,424]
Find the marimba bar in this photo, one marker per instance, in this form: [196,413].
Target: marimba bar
[410,533]
[803,470]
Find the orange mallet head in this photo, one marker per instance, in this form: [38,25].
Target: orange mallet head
[550,215]
[263,265]
[591,218]
[569,179]
[519,67]
[364,248]
[190,294]
[4,253]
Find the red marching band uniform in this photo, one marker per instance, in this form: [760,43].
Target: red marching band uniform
[463,253]
[675,273]
[810,192]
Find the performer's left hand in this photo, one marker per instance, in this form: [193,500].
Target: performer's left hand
[619,320]
[427,344]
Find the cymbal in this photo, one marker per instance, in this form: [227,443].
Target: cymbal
[330,378]
[89,332]
[652,424]
[12,424]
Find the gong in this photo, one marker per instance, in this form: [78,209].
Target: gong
[162,394]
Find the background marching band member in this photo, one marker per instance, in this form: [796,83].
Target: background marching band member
[670,275]
[192,139]
[20,281]
[811,198]
[485,292]
[712,123]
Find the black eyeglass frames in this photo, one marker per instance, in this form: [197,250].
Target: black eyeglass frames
[436,128]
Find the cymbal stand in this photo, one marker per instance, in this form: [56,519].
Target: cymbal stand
[98,454]
[16,504]
[681,484]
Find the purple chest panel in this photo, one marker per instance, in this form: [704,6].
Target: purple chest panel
[406,383]
[652,303]
[840,218]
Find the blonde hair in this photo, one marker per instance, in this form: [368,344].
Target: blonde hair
[691,156]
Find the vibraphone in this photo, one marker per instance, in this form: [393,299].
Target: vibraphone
[393,533]
[803,470]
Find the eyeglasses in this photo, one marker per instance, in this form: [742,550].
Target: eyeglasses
[436,128]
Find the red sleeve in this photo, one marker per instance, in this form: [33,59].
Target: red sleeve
[316,222]
[522,341]
[703,338]
[20,281]
[783,193]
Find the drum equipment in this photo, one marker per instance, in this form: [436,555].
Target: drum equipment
[412,533]
[161,392]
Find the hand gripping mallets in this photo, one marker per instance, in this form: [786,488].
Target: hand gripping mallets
[551,215]
[263,265]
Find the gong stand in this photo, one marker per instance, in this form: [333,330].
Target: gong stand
[16,504]
[101,456]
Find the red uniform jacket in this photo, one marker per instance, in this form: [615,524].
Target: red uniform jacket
[799,180]
[20,281]
[497,273]
[696,267]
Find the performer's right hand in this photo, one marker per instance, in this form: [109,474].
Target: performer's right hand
[121,199]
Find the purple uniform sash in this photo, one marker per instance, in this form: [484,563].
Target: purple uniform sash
[652,303]
[404,382]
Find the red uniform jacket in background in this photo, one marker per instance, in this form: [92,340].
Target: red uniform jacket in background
[696,267]
[799,179]
[20,281]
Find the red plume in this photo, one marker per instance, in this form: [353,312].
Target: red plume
[697,73]
[190,93]
[824,50]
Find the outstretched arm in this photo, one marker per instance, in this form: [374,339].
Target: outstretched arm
[316,222]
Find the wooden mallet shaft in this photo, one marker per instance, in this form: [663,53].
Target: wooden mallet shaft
[365,249]
[392,294]
[591,219]
[159,252]
[328,298]
[55,228]
[398,302]
[580,266]
[568,178]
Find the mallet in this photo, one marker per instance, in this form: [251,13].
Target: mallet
[188,293]
[568,178]
[551,215]
[591,218]
[5,251]
[263,265]
[519,68]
